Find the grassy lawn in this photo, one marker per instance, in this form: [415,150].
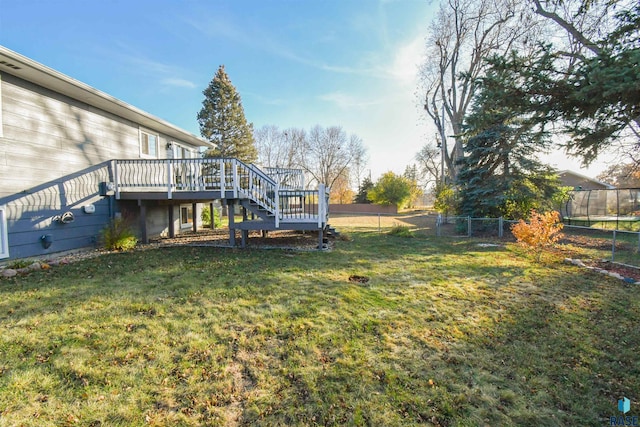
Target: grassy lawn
[445,332]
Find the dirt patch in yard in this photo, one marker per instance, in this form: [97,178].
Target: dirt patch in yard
[292,240]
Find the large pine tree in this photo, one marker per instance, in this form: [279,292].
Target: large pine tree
[222,121]
[501,175]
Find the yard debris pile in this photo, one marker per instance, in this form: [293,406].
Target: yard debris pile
[358,279]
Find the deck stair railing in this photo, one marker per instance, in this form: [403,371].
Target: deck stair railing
[279,193]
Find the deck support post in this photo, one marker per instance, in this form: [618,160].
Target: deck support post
[320,238]
[172,224]
[194,209]
[211,211]
[245,233]
[143,222]
[232,228]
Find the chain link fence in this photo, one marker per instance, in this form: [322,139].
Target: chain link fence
[613,245]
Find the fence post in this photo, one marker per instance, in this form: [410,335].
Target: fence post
[379,227]
[439,225]
[613,247]
[500,227]
[468,226]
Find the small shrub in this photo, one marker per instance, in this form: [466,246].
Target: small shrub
[119,236]
[345,237]
[19,263]
[206,217]
[462,226]
[541,232]
[401,231]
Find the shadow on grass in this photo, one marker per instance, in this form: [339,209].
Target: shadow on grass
[445,332]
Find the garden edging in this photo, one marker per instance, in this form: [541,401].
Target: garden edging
[613,274]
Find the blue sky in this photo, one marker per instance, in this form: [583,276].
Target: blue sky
[295,63]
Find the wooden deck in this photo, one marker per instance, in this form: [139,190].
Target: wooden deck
[272,198]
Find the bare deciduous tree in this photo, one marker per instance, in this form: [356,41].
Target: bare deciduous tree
[324,154]
[328,152]
[429,160]
[462,35]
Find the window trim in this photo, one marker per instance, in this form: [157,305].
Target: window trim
[144,155]
[4,233]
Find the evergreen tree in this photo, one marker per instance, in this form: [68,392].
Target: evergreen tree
[363,191]
[604,96]
[590,94]
[222,121]
[500,173]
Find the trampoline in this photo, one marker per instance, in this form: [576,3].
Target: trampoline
[617,209]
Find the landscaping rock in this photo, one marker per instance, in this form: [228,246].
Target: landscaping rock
[609,273]
[9,272]
[35,266]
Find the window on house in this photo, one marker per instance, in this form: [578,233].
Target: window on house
[181,152]
[4,241]
[148,144]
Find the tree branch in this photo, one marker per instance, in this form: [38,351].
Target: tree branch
[568,27]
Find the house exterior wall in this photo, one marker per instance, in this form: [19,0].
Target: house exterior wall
[54,153]
[580,182]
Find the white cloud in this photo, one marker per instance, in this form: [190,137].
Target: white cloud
[266,100]
[408,58]
[178,82]
[345,101]
[167,75]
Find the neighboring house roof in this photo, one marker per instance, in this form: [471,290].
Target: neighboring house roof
[575,179]
[34,72]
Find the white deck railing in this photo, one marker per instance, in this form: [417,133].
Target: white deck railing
[288,178]
[277,196]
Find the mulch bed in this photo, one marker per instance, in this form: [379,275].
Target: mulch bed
[631,272]
[598,243]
